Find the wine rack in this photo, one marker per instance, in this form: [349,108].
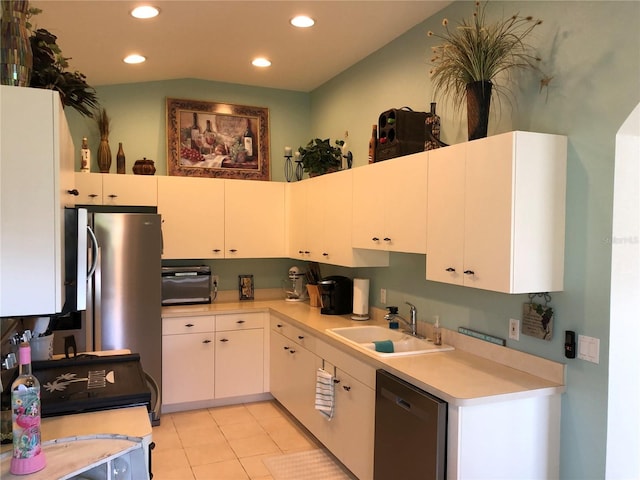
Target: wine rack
[400,132]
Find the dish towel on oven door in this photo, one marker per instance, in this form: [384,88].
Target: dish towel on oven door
[325,396]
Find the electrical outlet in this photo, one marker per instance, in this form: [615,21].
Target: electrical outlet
[383,296]
[514,329]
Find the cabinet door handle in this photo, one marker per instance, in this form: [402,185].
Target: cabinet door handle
[300,337]
[307,252]
[223,340]
[325,254]
[386,239]
[346,387]
[93,195]
[450,269]
[292,351]
[73,192]
[112,195]
[469,272]
[189,325]
[286,348]
[216,250]
[375,239]
[279,325]
[206,341]
[233,250]
[240,321]
[300,252]
[336,380]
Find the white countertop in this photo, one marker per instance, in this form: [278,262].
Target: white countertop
[475,372]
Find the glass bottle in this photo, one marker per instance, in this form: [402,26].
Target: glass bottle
[196,141]
[373,143]
[247,140]
[85,156]
[209,137]
[120,160]
[28,456]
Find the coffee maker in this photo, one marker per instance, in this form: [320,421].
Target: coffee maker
[336,293]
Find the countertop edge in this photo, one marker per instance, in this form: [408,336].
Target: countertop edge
[399,366]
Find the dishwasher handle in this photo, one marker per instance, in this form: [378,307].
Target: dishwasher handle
[413,409]
[401,402]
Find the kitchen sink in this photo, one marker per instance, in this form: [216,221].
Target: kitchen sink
[363,337]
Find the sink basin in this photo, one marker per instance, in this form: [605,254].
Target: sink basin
[403,344]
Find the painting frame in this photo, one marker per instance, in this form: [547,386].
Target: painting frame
[217,140]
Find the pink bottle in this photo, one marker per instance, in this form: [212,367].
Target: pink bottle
[28,456]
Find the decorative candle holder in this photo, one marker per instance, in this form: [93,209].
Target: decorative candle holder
[288,168]
[299,170]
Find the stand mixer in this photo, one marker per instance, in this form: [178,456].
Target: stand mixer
[295,287]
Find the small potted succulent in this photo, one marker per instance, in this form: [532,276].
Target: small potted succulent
[320,157]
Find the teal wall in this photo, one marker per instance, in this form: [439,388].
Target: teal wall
[138,118]
[592,51]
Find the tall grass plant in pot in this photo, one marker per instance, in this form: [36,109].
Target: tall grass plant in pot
[475,61]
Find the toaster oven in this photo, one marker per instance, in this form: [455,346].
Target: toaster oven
[186,285]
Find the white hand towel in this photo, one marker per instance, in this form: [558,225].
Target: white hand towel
[325,398]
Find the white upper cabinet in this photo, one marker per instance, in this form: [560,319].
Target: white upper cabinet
[327,223]
[116,190]
[254,219]
[496,213]
[36,183]
[192,211]
[390,205]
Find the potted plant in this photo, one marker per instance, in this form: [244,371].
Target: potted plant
[50,71]
[476,57]
[320,157]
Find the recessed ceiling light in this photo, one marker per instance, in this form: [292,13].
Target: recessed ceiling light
[135,58]
[145,11]
[260,62]
[302,21]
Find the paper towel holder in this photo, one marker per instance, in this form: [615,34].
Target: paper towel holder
[360,299]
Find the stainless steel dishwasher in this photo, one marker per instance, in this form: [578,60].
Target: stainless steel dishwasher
[410,432]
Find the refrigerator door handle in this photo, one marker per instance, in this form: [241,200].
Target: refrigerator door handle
[94,263]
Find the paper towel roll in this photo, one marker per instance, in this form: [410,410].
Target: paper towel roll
[360,299]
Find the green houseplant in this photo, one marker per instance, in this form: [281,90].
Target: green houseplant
[320,157]
[476,58]
[50,71]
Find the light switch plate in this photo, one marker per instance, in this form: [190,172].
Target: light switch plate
[589,348]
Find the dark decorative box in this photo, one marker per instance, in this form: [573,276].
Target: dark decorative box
[400,132]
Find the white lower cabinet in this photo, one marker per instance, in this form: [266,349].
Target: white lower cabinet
[239,364]
[187,359]
[349,434]
[209,359]
[293,379]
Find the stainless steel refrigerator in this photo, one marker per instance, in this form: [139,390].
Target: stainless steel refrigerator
[124,295]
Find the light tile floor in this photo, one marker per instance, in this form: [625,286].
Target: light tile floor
[225,443]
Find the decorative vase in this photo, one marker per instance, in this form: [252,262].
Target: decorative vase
[120,160]
[16,57]
[478,102]
[104,155]
[432,130]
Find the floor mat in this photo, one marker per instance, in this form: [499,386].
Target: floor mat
[307,465]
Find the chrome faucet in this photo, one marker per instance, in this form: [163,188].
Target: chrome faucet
[413,323]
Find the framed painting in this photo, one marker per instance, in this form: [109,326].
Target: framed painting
[210,139]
